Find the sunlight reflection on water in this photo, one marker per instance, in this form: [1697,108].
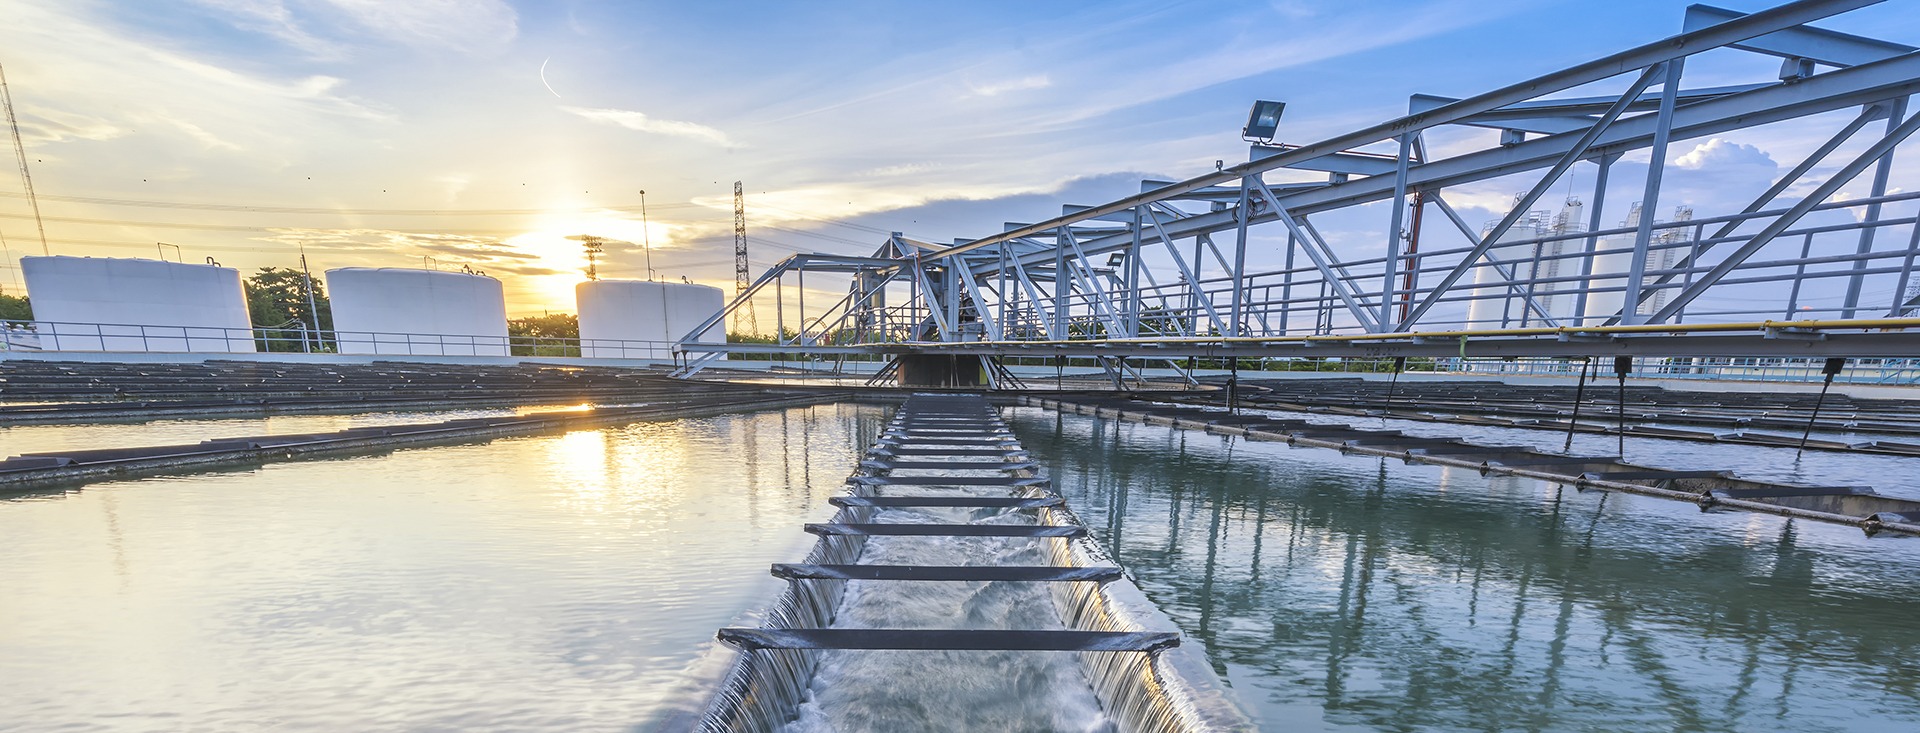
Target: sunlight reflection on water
[557,582]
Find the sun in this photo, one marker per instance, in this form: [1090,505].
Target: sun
[566,261]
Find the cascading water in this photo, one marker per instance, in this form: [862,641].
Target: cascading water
[967,690]
[811,690]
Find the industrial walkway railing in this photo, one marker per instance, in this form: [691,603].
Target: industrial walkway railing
[140,338]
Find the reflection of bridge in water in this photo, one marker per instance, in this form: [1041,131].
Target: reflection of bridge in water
[1396,595]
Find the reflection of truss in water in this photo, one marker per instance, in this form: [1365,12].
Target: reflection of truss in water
[1436,589]
[1167,273]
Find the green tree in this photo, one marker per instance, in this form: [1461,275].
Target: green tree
[524,333]
[15,308]
[277,300]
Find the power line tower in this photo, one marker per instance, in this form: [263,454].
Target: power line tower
[26,179]
[740,268]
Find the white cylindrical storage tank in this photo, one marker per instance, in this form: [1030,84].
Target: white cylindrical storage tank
[116,304]
[1613,257]
[637,319]
[393,310]
[1492,295]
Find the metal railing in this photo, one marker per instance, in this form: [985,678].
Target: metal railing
[1765,369]
[1857,371]
[49,336]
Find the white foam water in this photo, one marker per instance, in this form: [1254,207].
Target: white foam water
[951,690]
[809,691]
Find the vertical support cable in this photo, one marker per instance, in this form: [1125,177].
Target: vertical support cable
[1622,365]
[1579,393]
[1399,365]
[1831,369]
[1233,386]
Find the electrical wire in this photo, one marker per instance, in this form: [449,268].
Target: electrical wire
[241,227]
[282,209]
[209,247]
[835,222]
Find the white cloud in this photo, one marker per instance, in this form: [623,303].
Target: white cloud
[640,121]
[273,18]
[327,28]
[903,169]
[1345,33]
[127,89]
[43,125]
[455,184]
[1718,154]
[1025,83]
[200,134]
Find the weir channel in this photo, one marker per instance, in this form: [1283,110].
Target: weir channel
[953,584]
[1709,488]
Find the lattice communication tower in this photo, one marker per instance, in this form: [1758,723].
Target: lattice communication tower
[740,268]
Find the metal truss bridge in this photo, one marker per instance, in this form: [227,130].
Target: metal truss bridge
[1231,263]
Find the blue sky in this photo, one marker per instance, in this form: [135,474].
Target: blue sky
[938,119]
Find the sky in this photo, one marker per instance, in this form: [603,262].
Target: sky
[483,133]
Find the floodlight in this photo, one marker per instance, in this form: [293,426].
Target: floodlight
[1263,121]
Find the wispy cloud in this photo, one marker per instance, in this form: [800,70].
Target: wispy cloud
[997,88]
[465,25]
[330,28]
[271,18]
[640,121]
[382,245]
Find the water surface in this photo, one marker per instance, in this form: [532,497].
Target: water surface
[44,437]
[1360,594]
[549,583]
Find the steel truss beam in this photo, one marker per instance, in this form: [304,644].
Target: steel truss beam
[1041,280]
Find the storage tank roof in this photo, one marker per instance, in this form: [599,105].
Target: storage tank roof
[664,283]
[141,260]
[410,271]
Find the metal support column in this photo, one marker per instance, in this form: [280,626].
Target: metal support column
[1650,199]
[1880,173]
